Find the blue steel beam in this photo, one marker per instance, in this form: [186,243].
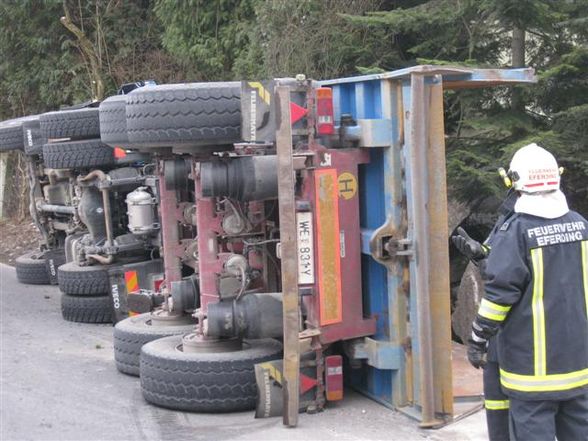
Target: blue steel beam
[474,77]
[385,190]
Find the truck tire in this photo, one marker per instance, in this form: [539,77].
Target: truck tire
[75,124]
[11,137]
[192,114]
[31,269]
[78,154]
[97,309]
[132,333]
[83,280]
[33,140]
[202,382]
[113,122]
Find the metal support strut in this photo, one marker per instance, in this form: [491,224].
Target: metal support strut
[289,252]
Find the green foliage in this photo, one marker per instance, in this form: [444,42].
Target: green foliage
[35,71]
[438,29]
[42,66]
[565,84]
[484,128]
[308,37]
[207,36]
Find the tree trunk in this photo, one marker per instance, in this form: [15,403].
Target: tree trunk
[518,60]
[90,53]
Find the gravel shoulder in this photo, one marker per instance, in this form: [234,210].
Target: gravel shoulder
[58,382]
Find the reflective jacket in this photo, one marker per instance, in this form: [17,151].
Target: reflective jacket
[536,294]
[506,211]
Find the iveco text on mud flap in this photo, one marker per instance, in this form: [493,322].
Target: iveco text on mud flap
[53,259]
[133,287]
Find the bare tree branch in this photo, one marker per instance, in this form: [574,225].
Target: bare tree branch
[88,49]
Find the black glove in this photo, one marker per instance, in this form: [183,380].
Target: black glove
[469,247]
[477,353]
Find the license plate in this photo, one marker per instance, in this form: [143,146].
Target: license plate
[305,248]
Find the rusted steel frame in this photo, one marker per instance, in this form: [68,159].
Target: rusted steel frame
[286,201]
[209,263]
[393,109]
[439,283]
[170,233]
[418,162]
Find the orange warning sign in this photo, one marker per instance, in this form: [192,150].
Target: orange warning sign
[131,281]
[329,246]
[347,185]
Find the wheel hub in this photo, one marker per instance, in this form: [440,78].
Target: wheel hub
[165,318]
[195,342]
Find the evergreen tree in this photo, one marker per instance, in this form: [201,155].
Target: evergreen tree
[206,37]
[485,127]
[37,71]
[44,65]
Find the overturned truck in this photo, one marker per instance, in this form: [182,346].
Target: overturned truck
[305,241]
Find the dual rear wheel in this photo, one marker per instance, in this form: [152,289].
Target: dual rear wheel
[173,378]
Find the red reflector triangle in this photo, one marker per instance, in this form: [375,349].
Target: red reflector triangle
[306,383]
[296,112]
[119,153]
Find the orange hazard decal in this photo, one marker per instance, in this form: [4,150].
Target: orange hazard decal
[119,153]
[347,185]
[132,281]
[328,245]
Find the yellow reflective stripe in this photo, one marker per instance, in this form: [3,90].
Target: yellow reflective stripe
[497,404]
[544,383]
[585,270]
[263,93]
[493,311]
[539,349]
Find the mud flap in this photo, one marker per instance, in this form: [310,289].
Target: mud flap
[270,393]
[53,260]
[133,286]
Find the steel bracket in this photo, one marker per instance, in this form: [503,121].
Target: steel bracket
[387,244]
[379,354]
[398,247]
[375,132]
[369,132]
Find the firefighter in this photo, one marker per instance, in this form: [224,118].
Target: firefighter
[536,300]
[495,401]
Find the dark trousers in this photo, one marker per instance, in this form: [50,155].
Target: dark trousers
[544,420]
[496,404]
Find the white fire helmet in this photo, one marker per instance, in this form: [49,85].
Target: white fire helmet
[534,170]
[535,173]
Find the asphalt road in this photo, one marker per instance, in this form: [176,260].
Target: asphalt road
[59,382]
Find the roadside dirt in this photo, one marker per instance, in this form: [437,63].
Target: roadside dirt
[17,238]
